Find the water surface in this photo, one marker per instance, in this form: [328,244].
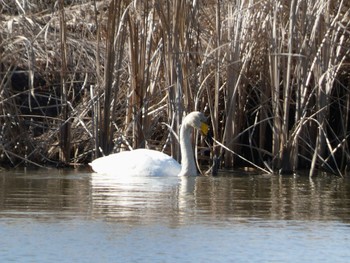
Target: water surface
[77,216]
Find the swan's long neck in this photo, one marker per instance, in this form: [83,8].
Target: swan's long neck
[188,165]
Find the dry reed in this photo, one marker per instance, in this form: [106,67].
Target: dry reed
[80,79]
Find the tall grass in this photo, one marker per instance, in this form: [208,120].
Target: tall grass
[108,75]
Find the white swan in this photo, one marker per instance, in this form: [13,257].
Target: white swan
[154,163]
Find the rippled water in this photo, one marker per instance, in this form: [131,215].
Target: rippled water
[76,216]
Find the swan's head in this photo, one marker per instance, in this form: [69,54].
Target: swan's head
[198,121]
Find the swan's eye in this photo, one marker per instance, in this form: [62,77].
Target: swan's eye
[204,128]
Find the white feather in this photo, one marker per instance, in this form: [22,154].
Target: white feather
[145,162]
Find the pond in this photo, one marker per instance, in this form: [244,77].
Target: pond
[78,216]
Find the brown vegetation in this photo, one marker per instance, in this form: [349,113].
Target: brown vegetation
[79,79]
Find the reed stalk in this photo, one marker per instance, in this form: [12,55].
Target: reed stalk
[105,118]
[140,48]
[65,140]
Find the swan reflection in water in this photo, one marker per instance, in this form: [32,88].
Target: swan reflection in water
[142,199]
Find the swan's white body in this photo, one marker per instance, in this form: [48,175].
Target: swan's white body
[142,162]
[137,162]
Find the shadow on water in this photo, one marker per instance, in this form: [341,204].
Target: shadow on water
[43,193]
[234,196]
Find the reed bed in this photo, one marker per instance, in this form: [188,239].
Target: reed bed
[80,79]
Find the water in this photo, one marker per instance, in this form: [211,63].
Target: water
[76,216]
